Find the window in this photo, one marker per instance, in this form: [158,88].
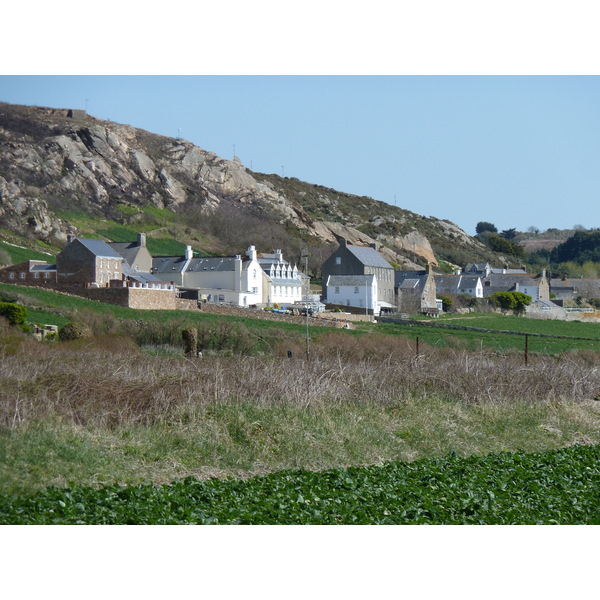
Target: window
[255,290]
[36,275]
[47,274]
[11,276]
[356,289]
[22,275]
[338,260]
[337,289]
[254,273]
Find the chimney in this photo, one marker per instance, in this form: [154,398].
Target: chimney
[251,253]
[343,242]
[375,246]
[71,238]
[141,240]
[189,253]
[237,266]
[278,255]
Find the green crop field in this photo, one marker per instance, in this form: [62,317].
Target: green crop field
[558,487]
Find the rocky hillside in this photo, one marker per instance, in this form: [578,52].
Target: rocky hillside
[63,171]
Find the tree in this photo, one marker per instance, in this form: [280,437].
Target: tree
[501,244]
[485,226]
[509,234]
[515,301]
[533,229]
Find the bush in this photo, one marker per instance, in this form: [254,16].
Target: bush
[16,315]
[515,301]
[74,331]
[446,303]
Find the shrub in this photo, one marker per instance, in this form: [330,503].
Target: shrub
[74,331]
[190,340]
[16,315]
[446,303]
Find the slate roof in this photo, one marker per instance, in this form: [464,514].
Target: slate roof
[340,280]
[409,284]
[128,250]
[400,276]
[175,264]
[168,264]
[448,282]
[369,256]
[99,248]
[42,268]
[128,271]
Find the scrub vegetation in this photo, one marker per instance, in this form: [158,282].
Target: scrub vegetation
[127,407]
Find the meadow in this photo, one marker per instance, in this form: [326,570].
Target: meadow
[126,407]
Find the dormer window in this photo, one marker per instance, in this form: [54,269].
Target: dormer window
[338,260]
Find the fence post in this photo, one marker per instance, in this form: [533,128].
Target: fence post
[526,348]
[417,348]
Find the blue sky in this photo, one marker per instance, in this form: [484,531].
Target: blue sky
[514,150]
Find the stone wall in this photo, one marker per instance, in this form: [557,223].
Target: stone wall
[320,319]
[150,299]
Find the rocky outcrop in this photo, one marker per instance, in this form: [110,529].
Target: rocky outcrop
[52,158]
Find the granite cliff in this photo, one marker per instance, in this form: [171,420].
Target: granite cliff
[55,163]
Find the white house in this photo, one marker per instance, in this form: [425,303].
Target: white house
[283,284]
[229,279]
[353,290]
[459,284]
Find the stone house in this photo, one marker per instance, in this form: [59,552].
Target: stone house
[572,288]
[30,272]
[536,286]
[416,291]
[135,253]
[88,263]
[349,259]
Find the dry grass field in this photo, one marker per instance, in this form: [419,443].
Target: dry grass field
[102,411]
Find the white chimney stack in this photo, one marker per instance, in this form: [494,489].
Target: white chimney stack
[251,253]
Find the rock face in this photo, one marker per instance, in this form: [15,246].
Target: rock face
[53,160]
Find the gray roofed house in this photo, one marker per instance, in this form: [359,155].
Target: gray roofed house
[459,284]
[88,263]
[575,287]
[35,272]
[135,253]
[232,279]
[283,283]
[349,259]
[537,286]
[358,291]
[416,291]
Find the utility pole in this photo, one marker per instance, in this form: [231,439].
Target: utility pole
[304,255]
